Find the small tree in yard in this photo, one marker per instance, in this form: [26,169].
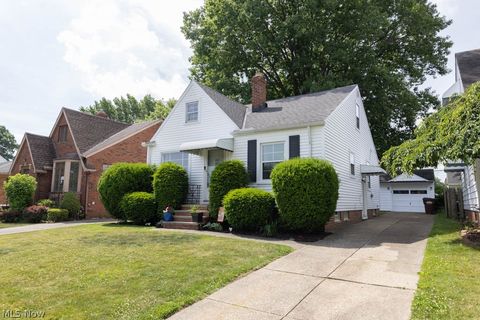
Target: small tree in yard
[20,190]
[71,203]
[170,185]
[306,191]
[228,175]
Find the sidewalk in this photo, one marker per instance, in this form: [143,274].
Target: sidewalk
[364,271]
[48,226]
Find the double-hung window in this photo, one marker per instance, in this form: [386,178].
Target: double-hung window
[191,111]
[62,133]
[272,154]
[180,158]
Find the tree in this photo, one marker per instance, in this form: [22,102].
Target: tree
[449,134]
[8,145]
[130,110]
[302,46]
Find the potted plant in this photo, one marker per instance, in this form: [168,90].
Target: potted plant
[196,216]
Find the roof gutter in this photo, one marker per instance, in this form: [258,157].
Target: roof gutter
[284,127]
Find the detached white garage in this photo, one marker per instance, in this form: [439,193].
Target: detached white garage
[405,193]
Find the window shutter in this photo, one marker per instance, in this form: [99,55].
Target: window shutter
[252,160]
[294,146]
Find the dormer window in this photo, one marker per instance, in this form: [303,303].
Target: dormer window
[191,112]
[357,115]
[62,133]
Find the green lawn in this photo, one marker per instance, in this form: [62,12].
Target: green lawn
[10,225]
[449,286]
[108,271]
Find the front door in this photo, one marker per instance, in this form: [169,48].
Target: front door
[214,157]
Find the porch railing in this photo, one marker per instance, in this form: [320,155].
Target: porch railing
[194,193]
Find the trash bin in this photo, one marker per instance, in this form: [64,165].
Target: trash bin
[429,205]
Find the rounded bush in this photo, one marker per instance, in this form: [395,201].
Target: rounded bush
[170,185]
[306,191]
[56,215]
[35,214]
[139,207]
[71,203]
[46,203]
[20,190]
[249,209]
[120,179]
[228,175]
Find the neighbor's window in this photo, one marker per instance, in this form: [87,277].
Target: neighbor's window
[418,191]
[192,111]
[180,158]
[400,191]
[272,154]
[59,177]
[62,133]
[352,164]
[357,115]
[73,181]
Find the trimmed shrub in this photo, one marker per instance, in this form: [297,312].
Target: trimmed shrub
[46,203]
[56,215]
[228,175]
[120,179]
[139,207]
[71,203]
[11,216]
[35,214]
[306,191]
[249,209]
[170,185]
[20,190]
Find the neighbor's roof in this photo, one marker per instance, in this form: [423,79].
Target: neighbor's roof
[421,175]
[297,110]
[469,65]
[5,167]
[42,149]
[121,135]
[235,110]
[89,130]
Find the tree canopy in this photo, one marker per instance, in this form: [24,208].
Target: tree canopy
[8,145]
[302,46]
[130,110]
[449,134]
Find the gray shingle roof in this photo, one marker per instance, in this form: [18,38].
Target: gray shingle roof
[5,167]
[119,136]
[297,110]
[469,66]
[233,109]
[43,151]
[89,130]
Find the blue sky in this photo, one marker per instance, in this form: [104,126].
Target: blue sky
[59,53]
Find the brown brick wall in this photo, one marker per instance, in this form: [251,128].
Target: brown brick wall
[23,158]
[63,148]
[129,150]
[472,216]
[351,216]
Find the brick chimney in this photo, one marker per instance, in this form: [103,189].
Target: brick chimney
[259,92]
[102,114]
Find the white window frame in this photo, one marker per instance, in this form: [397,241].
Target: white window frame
[262,161]
[188,113]
[184,158]
[351,162]
[357,116]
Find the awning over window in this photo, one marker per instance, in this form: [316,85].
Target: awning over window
[225,144]
[371,170]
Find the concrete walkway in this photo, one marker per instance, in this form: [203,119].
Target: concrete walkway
[48,226]
[367,270]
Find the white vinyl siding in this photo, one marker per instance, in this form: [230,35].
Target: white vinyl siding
[469,188]
[405,197]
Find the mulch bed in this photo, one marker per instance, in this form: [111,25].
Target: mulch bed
[471,237]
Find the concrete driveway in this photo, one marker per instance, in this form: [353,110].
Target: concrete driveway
[367,270]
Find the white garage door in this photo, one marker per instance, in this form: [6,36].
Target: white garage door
[408,200]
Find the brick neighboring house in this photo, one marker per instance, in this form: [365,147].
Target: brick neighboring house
[83,145]
[4,169]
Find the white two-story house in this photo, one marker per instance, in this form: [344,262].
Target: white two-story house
[205,128]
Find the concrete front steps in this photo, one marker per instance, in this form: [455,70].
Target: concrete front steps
[182,219]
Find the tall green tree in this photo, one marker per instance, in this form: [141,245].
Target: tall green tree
[302,46]
[129,110]
[451,134]
[8,145]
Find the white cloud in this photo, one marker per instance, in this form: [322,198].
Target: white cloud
[129,46]
[447,7]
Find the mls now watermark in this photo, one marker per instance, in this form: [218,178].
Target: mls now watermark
[26,314]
